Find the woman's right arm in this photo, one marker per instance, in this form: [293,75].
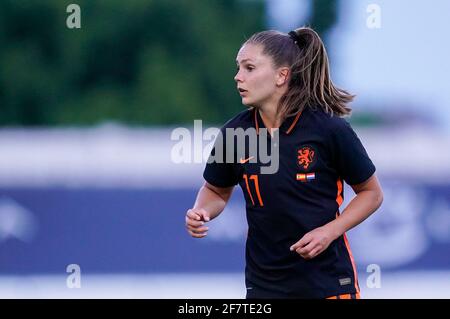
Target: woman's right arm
[210,202]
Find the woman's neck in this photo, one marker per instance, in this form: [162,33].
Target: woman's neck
[268,110]
[269,116]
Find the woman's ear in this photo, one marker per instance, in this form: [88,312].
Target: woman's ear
[282,76]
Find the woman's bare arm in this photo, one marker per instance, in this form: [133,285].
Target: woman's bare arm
[210,202]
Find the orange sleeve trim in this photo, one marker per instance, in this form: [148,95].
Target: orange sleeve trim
[339,198]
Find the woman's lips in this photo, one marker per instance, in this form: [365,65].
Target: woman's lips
[242,91]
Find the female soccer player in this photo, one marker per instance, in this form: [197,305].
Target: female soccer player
[296,245]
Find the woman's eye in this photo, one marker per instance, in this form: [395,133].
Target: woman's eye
[248,68]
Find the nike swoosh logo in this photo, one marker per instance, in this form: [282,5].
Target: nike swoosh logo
[243,161]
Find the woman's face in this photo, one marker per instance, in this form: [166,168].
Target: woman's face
[256,77]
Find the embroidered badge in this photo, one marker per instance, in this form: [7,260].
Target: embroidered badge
[306,157]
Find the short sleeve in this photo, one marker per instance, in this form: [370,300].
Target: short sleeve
[351,159]
[221,169]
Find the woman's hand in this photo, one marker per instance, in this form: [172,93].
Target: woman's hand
[314,242]
[369,197]
[195,221]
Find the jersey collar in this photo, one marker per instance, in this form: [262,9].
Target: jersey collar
[287,126]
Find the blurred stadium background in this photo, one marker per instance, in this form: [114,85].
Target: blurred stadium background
[86,115]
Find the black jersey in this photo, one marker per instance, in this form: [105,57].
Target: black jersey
[317,152]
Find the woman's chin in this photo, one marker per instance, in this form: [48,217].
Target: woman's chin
[247,102]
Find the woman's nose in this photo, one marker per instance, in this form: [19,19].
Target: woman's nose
[238,77]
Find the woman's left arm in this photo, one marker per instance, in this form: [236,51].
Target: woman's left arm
[368,199]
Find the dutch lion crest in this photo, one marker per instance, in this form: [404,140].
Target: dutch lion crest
[305,157]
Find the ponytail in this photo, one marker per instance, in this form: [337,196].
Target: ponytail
[310,82]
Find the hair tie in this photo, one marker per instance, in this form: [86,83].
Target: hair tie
[294,36]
